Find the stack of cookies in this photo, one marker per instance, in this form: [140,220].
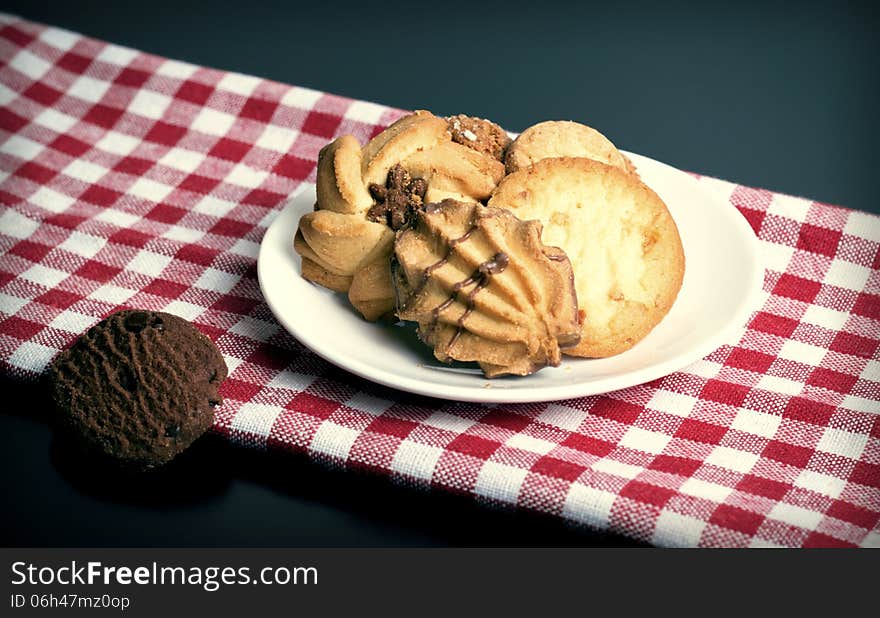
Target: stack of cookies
[505,253]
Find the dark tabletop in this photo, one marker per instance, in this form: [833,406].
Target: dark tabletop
[781,96]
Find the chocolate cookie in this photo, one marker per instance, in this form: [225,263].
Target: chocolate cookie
[139,386]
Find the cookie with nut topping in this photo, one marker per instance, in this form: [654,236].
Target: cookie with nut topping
[138,387]
[479,134]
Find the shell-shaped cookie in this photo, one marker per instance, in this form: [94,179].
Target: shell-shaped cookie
[483,287]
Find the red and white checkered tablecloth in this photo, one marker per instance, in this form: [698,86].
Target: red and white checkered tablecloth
[130,180]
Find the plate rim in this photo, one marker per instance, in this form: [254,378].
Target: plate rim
[481,392]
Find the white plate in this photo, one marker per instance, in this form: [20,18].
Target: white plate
[723,277]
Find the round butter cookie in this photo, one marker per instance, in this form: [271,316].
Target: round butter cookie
[562,138]
[622,242]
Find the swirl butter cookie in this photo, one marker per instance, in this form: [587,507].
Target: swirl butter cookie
[138,387]
[622,242]
[365,194]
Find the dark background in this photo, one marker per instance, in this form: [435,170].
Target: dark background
[778,95]
[782,96]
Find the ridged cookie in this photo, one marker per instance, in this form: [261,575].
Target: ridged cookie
[623,244]
[334,246]
[339,185]
[483,287]
[562,138]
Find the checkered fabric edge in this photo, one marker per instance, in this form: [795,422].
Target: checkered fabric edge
[130,180]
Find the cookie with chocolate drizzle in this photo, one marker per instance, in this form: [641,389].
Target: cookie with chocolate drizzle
[483,287]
